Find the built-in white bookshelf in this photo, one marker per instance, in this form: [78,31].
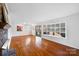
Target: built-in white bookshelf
[53,29]
[38,30]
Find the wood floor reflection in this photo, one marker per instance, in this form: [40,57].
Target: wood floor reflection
[35,46]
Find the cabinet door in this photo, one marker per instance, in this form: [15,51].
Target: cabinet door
[38,30]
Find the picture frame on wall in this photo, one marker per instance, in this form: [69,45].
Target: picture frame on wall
[20,27]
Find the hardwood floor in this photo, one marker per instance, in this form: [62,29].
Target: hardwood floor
[34,46]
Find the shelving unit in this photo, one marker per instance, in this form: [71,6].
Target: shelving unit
[38,30]
[54,29]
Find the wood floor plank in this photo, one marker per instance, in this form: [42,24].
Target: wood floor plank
[29,45]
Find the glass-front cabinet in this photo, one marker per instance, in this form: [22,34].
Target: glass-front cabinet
[38,30]
[54,29]
[57,29]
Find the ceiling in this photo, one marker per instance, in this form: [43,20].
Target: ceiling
[38,12]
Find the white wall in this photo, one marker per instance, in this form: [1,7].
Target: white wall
[15,21]
[72,22]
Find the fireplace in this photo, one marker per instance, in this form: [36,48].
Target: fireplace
[4,26]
